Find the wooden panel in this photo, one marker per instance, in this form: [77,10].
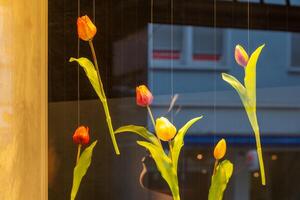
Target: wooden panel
[23,99]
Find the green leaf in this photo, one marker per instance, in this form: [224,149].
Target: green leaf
[165,166]
[81,168]
[177,142]
[141,131]
[91,73]
[220,180]
[250,75]
[241,90]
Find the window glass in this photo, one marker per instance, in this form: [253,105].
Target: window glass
[179,50]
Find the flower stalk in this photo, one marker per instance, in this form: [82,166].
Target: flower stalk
[247,93]
[221,174]
[151,116]
[104,100]
[78,153]
[165,131]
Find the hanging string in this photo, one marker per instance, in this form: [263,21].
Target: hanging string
[248,23]
[151,38]
[215,68]
[94,11]
[248,34]
[172,58]
[78,68]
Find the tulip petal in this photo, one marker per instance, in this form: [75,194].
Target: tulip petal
[81,168]
[220,149]
[177,142]
[220,180]
[241,56]
[91,73]
[141,131]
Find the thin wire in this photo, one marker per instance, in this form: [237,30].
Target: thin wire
[248,18]
[78,68]
[248,33]
[215,67]
[172,57]
[94,11]
[152,43]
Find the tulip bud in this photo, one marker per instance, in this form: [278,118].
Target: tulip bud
[220,149]
[241,56]
[165,130]
[81,135]
[143,96]
[85,28]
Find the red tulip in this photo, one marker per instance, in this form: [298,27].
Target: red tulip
[241,56]
[81,135]
[143,96]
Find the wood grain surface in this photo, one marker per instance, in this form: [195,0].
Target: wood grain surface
[23,100]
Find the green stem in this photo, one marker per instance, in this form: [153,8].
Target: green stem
[253,121]
[171,149]
[260,157]
[104,101]
[151,116]
[152,119]
[175,192]
[110,127]
[78,153]
[215,166]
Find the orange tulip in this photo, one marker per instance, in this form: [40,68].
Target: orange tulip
[81,135]
[143,96]
[165,130]
[241,56]
[220,149]
[85,28]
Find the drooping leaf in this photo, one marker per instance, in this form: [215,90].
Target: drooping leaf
[165,166]
[241,90]
[250,75]
[177,142]
[141,131]
[91,73]
[81,168]
[220,180]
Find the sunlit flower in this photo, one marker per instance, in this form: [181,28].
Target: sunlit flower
[85,28]
[220,149]
[247,93]
[165,130]
[241,56]
[81,135]
[143,96]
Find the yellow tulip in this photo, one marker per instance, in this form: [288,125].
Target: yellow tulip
[220,149]
[165,130]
